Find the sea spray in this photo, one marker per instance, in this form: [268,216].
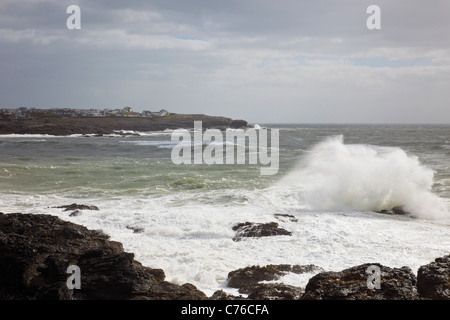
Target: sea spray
[338,176]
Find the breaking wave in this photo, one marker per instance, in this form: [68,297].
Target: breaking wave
[338,176]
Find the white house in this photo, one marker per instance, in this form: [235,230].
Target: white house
[161,113]
[147,114]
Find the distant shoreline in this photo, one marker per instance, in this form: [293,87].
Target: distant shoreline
[62,126]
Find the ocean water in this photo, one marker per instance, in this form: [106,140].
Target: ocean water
[331,178]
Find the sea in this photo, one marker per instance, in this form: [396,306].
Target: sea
[332,181]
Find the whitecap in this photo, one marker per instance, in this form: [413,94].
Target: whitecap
[338,176]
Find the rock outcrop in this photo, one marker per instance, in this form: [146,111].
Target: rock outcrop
[355,283]
[399,210]
[248,276]
[251,229]
[248,281]
[285,217]
[36,251]
[75,206]
[352,284]
[433,279]
[274,291]
[222,295]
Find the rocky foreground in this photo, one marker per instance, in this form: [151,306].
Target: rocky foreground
[36,251]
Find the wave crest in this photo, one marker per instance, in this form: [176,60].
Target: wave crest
[336,176]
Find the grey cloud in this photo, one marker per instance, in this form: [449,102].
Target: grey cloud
[315,60]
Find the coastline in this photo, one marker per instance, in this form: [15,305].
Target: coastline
[36,250]
[60,126]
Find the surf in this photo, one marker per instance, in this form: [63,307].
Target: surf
[337,176]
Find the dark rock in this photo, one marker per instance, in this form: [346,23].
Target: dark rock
[222,295]
[248,281]
[36,250]
[248,276]
[75,213]
[275,291]
[433,279]
[281,217]
[250,229]
[308,268]
[135,229]
[351,284]
[75,206]
[252,275]
[399,210]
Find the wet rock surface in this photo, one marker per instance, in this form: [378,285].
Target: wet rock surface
[352,284]
[222,295]
[251,229]
[248,276]
[274,291]
[433,279]
[399,210]
[36,251]
[248,281]
[77,207]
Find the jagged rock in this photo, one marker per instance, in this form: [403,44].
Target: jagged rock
[251,229]
[249,276]
[275,291]
[433,279]
[252,275]
[75,206]
[75,213]
[248,281]
[36,250]
[222,295]
[351,284]
[399,210]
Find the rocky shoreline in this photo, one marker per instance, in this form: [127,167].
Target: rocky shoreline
[36,250]
[60,126]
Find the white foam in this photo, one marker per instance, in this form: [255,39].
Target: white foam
[15,135]
[143,133]
[159,144]
[336,176]
[193,243]
[191,239]
[31,135]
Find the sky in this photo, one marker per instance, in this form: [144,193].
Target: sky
[265,61]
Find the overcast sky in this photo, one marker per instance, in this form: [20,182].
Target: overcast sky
[285,61]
